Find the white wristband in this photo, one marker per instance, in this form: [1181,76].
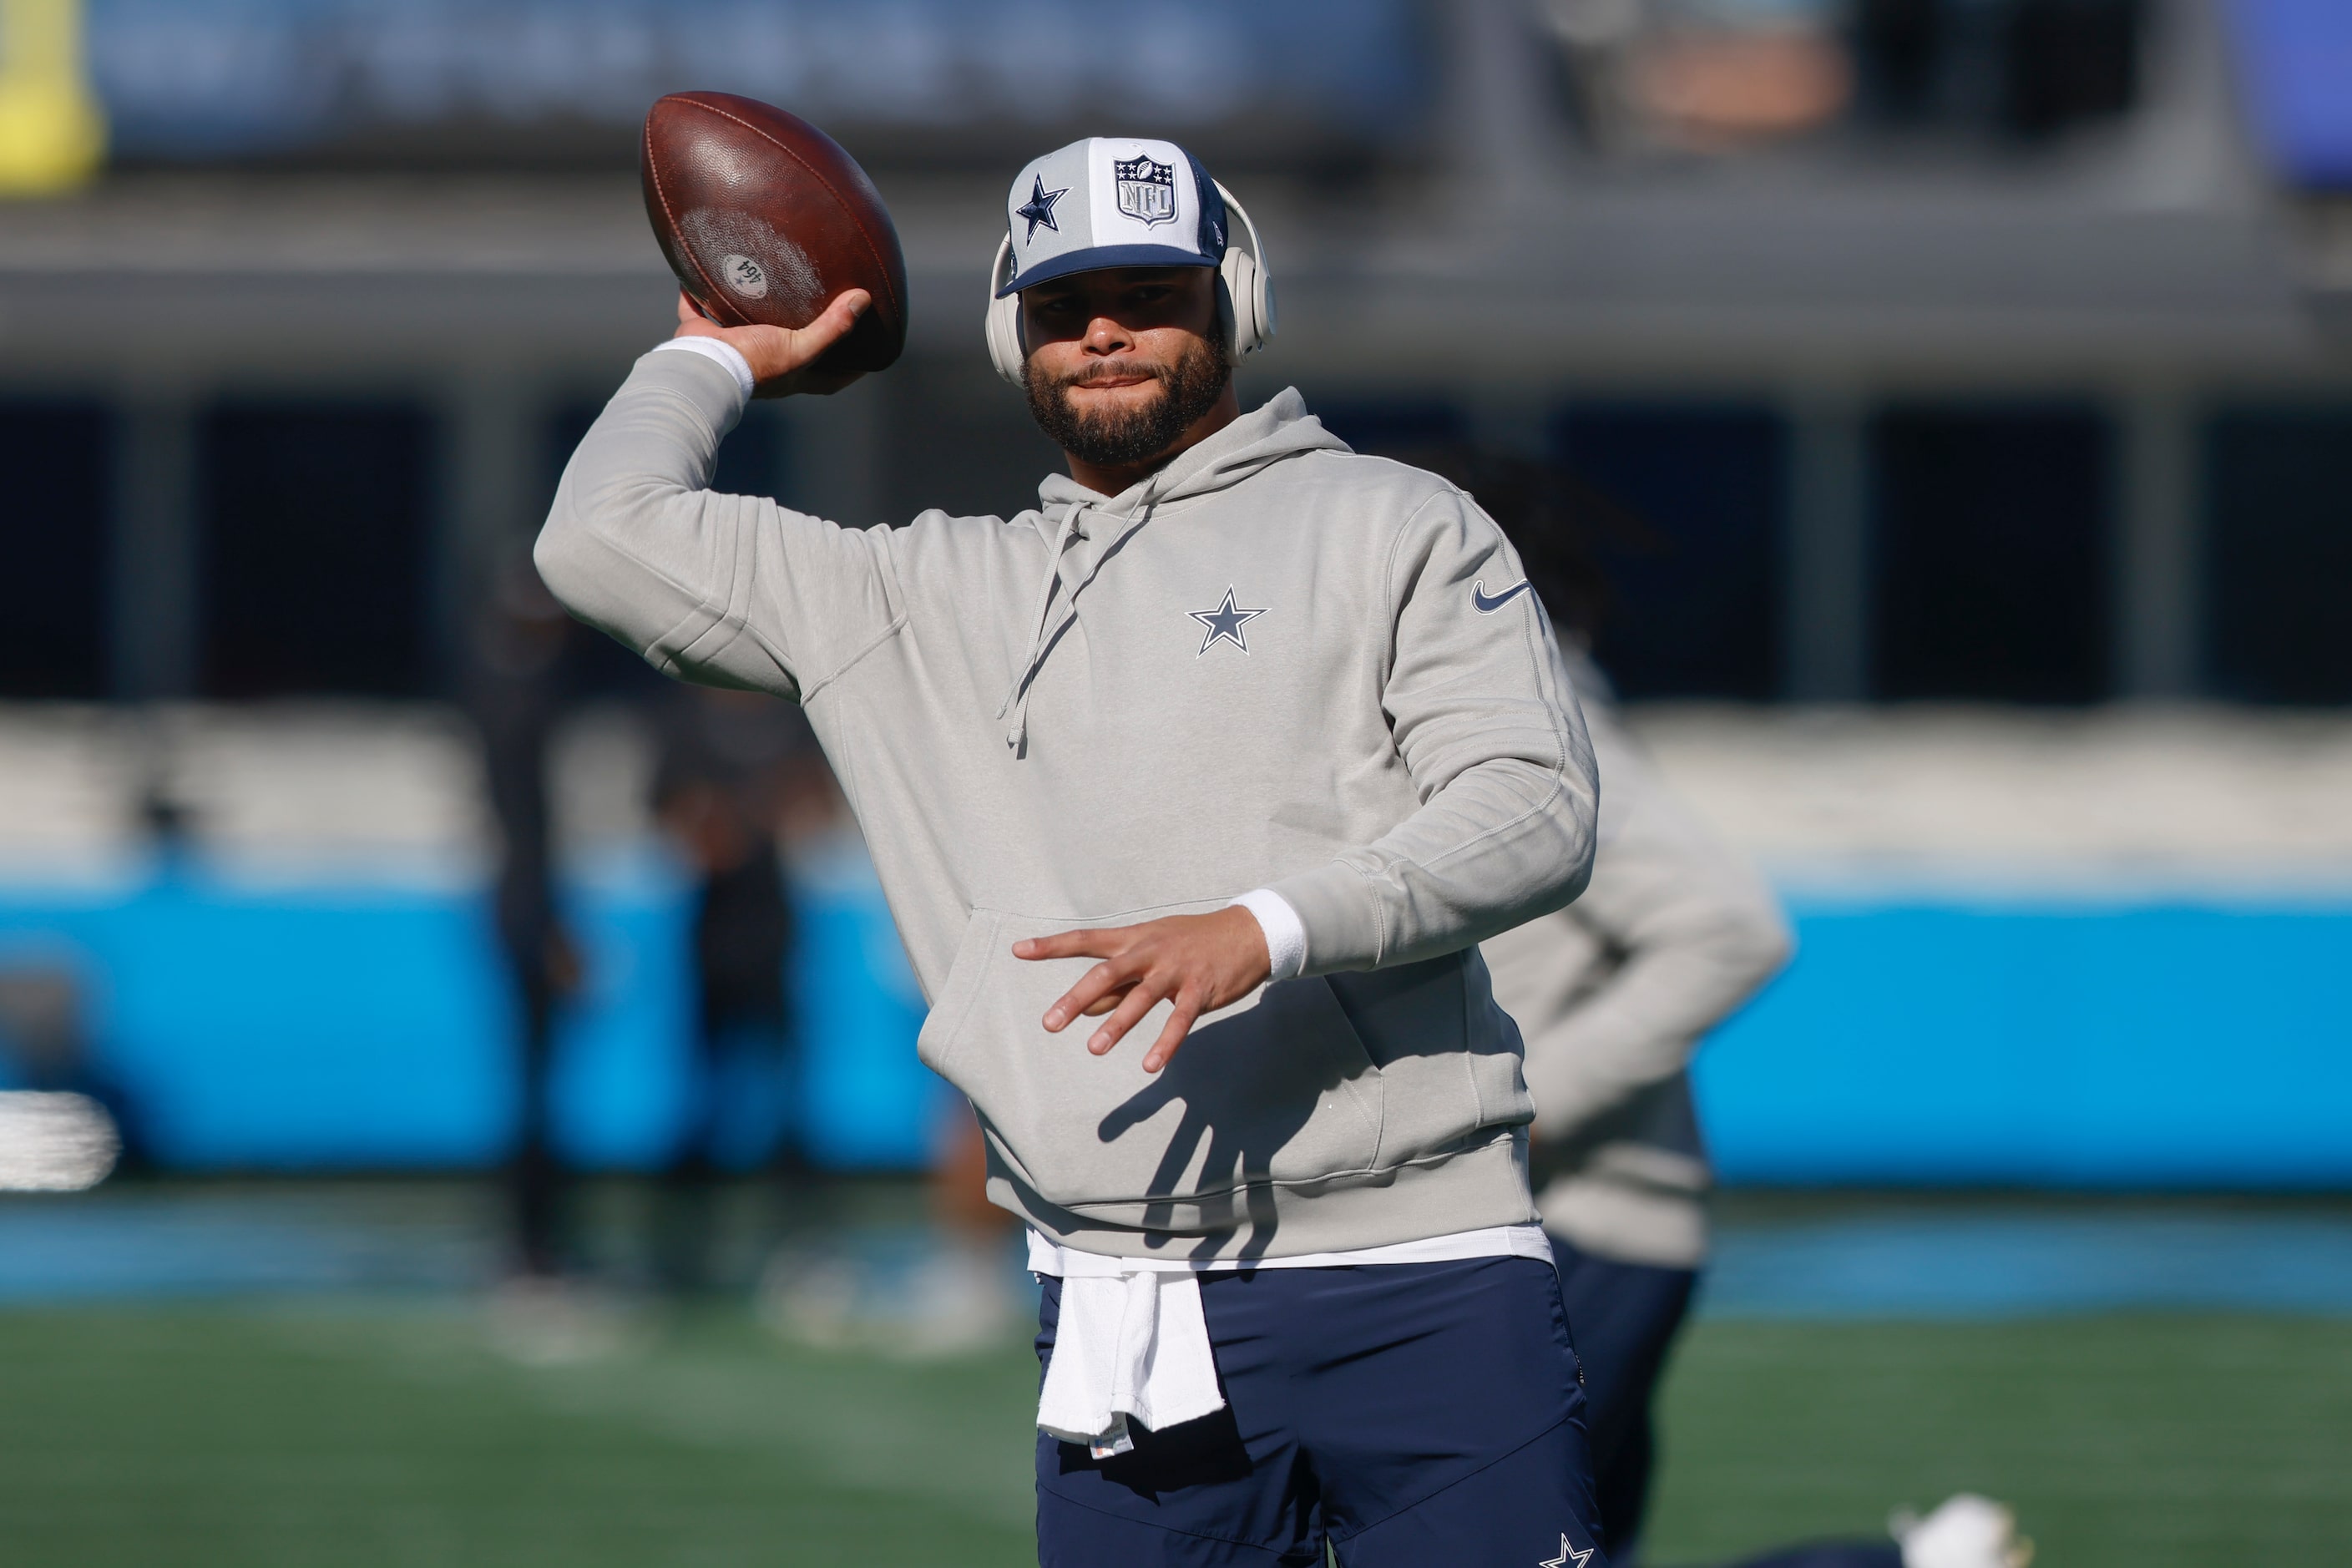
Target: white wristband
[716,350]
[1285,935]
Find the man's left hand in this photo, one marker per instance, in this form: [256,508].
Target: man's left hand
[1198,962]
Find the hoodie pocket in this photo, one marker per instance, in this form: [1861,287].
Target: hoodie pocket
[1275,1089]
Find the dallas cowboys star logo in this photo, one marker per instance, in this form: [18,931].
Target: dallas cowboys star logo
[1225,624]
[1040,207]
[1570,1557]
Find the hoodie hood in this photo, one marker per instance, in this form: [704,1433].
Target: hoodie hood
[1278,428]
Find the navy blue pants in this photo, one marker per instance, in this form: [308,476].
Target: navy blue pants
[1412,1415]
[1626,1317]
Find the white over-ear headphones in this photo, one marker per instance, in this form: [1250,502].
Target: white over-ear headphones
[1245,297]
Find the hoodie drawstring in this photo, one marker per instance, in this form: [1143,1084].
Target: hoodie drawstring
[1016,698]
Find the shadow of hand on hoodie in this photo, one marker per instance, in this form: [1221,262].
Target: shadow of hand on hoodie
[1251,1084]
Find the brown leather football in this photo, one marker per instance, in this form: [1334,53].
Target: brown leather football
[764,219]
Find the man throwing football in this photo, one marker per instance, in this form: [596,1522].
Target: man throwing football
[1193,791]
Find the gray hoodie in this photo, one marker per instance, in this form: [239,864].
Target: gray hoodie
[1274,663]
[1615,992]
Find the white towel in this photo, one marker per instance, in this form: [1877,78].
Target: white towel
[1127,1346]
[1131,1340]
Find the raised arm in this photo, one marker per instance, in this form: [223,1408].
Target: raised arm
[726,590]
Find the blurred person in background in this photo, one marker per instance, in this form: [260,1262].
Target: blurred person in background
[967,1292]
[1697,75]
[961,1292]
[1719,76]
[1613,995]
[732,765]
[515,693]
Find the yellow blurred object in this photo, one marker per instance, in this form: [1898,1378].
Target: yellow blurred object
[52,130]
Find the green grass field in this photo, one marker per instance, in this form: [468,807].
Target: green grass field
[287,1436]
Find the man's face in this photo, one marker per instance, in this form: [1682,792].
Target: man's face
[1122,360]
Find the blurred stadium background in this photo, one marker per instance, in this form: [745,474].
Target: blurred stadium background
[1974,376]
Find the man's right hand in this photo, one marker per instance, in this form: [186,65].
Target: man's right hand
[782,360]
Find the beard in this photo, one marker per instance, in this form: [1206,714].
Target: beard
[1116,437]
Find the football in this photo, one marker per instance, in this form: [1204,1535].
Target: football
[764,217]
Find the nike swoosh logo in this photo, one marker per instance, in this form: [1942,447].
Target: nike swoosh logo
[1486,604]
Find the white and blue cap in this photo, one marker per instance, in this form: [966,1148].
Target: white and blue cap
[1111,201]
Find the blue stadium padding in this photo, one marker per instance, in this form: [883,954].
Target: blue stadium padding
[1912,1042]
[286,1027]
[297,1027]
[619,1089]
[2119,1045]
[872,1105]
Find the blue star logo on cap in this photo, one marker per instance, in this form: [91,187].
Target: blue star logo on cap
[1225,624]
[1040,207]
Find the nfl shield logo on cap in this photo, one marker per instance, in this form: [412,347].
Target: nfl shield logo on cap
[1112,201]
[1147,188]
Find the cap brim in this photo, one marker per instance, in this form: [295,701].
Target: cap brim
[1101,257]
